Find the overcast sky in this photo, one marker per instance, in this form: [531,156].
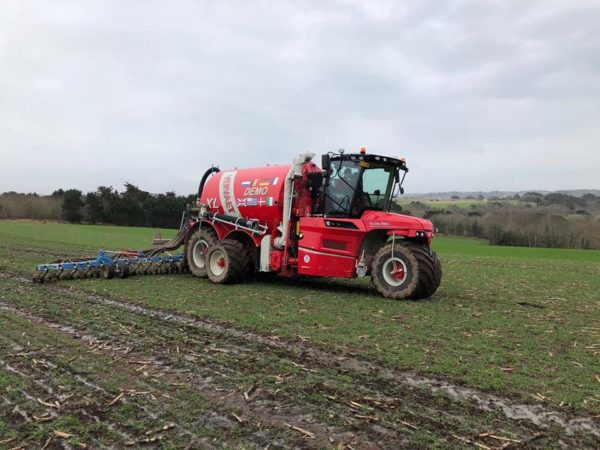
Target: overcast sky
[477,95]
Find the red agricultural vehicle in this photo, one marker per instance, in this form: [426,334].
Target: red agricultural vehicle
[299,219]
[293,220]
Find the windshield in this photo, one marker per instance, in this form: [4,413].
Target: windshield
[355,186]
[377,184]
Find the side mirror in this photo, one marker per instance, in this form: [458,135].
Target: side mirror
[377,192]
[397,193]
[315,181]
[325,163]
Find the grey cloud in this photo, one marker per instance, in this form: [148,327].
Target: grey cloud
[476,94]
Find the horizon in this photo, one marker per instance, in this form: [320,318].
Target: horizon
[406,194]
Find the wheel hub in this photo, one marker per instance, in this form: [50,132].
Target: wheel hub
[217,262]
[394,271]
[398,271]
[199,253]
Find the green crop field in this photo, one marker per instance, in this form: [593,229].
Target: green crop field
[511,338]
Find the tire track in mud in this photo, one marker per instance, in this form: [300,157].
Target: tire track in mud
[381,429]
[285,415]
[41,381]
[271,413]
[50,414]
[152,411]
[536,416]
[539,415]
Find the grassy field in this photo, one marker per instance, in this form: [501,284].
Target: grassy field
[515,323]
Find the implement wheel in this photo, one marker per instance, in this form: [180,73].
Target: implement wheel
[38,277]
[227,261]
[107,272]
[406,270]
[197,251]
[121,270]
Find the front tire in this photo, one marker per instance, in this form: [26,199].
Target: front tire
[197,249]
[406,270]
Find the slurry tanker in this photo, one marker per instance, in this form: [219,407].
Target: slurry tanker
[294,220]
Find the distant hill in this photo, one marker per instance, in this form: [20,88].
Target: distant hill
[497,194]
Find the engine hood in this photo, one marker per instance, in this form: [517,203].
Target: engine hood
[377,220]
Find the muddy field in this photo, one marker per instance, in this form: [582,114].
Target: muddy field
[85,367]
[113,373]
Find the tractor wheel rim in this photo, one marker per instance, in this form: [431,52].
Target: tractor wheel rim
[217,263]
[394,271]
[199,253]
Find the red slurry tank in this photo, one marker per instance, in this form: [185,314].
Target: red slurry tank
[301,219]
[250,193]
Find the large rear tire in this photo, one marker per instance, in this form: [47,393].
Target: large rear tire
[406,270]
[197,249]
[227,262]
[250,263]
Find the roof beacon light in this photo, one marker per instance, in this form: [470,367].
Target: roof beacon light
[363,150]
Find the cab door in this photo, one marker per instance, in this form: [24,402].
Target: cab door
[329,246]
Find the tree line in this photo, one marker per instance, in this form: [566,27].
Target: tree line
[531,220]
[522,229]
[535,220]
[105,205]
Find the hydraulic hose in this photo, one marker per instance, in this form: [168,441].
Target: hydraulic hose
[208,173]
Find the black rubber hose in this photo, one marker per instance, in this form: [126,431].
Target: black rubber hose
[180,238]
[248,223]
[208,173]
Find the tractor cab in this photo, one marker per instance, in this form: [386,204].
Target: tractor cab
[354,234]
[355,183]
